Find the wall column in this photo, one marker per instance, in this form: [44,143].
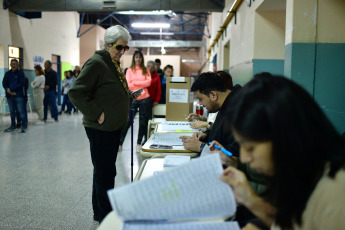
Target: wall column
[315,53]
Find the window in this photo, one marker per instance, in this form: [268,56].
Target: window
[17,53]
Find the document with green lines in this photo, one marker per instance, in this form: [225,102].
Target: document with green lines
[177,198]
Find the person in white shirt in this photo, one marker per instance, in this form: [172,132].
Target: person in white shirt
[38,86]
[67,82]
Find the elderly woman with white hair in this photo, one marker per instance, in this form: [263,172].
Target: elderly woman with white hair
[101,93]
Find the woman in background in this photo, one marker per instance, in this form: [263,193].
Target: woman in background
[168,72]
[155,87]
[138,76]
[38,86]
[285,135]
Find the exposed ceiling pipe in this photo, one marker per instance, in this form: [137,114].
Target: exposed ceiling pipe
[226,22]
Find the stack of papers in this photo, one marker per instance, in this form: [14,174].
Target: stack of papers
[172,139]
[172,160]
[182,126]
[177,199]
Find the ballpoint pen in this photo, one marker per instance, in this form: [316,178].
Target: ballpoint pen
[226,152]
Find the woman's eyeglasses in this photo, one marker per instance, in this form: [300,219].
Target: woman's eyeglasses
[120,47]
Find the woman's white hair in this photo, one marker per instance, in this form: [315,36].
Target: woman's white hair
[113,33]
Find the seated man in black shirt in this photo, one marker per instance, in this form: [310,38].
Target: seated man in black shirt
[212,92]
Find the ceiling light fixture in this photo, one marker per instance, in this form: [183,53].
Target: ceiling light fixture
[156,33]
[151,25]
[163,51]
[153,12]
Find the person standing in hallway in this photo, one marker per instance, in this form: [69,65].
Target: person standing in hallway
[168,72]
[38,86]
[138,76]
[50,91]
[76,71]
[155,87]
[14,85]
[67,82]
[160,72]
[101,94]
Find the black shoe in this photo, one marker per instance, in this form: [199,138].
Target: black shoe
[96,218]
[10,129]
[60,113]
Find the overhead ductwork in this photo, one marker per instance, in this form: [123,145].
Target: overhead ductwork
[118,5]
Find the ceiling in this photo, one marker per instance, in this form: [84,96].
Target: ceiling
[183,25]
[187,20]
[111,5]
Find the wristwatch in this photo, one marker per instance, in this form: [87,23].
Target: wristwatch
[202,146]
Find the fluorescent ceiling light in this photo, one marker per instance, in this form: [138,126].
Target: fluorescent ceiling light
[150,25]
[156,33]
[163,51]
[191,60]
[154,12]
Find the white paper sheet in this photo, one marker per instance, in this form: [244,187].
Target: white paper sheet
[178,95]
[206,151]
[173,160]
[182,226]
[189,191]
[177,126]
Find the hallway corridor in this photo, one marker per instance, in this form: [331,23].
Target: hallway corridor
[46,175]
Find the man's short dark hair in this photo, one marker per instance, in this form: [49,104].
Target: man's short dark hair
[158,60]
[208,82]
[49,62]
[14,59]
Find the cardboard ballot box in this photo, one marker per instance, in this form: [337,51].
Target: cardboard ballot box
[179,103]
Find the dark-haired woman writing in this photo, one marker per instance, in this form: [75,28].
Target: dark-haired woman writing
[285,135]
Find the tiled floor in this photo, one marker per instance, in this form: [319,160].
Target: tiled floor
[46,175]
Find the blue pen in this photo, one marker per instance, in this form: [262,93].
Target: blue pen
[222,149]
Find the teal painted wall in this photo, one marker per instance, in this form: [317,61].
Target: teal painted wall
[2,73]
[2,90]
[320,69]
[329,89]
[268,65]
[300,63]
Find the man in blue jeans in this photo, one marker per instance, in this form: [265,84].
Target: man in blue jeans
[13,83]
[50,91]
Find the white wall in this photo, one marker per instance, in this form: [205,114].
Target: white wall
[248,38]
[241,40]
[54,33]
[269,42]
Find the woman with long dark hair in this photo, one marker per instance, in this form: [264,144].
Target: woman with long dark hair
[138,76]
[285,135]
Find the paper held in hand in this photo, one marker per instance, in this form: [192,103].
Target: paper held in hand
[192,192]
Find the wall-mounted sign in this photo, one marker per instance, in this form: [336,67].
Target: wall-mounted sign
[38,60]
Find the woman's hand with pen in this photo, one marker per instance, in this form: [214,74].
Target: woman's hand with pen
[226,160]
